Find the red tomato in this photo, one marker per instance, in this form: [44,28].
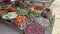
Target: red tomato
[12,9]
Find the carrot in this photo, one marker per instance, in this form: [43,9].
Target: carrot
[20,20]
[24,19]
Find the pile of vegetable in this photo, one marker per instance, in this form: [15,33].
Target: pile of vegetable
[22,14]
[34,28]
[20,20]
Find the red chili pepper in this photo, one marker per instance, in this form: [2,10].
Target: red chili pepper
[39,8]
[12,9]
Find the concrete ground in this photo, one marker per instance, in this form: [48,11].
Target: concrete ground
[4,29]
[56,9]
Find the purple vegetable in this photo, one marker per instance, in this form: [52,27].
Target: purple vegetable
[34,28]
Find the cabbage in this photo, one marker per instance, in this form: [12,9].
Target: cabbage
[10,15]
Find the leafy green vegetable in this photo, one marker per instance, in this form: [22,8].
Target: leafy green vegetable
[22,12]
[34,13]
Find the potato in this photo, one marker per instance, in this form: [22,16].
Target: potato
[3,12]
